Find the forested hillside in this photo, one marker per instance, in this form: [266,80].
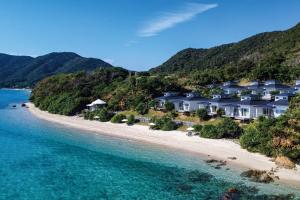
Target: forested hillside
[68,94]
[23,71]
[263,56]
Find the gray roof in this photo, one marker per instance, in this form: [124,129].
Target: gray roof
[233,87]
[194,99]
[279,86]
[170,98]
[281,102]
[257,103]
[285,94]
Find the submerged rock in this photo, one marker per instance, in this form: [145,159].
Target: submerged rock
[199,177]
[258,176]
[285,162]
[231,194]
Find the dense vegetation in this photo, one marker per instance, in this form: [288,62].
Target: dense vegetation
[276,137]
[68,94]
[226,128]
[24,71]
[273,55]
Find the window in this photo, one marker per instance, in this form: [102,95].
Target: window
[213,108]
[265,111]
[244,111]
[186,106]
[181,105]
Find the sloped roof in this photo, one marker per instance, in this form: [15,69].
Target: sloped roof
[281,102]
[97,102]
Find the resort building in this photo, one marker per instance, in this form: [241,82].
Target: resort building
[190,102]
[231,88]
[96,105]
[274,86]
[249,107]
[281,103]
[297,87]
[172,97]
[261,100]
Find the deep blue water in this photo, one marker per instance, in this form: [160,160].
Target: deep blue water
[41,160]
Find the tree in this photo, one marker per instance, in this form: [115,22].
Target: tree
[118,118]
[229,128]
[220,112]
[131,120]
[152,104]
[141,108]
[245,92]
[202,114]
[165,123]
[211,131]
[104,115]
[169,106]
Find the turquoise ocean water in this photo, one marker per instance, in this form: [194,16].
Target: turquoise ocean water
[41,160]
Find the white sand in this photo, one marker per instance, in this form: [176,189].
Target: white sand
[219,149]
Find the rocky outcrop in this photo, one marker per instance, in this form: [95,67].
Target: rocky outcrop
[258,176]
[285,162]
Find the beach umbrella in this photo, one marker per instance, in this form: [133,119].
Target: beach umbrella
[96,117]
[190,129]
[152,124]
[124,120]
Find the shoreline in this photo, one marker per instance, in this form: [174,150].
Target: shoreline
[210,148]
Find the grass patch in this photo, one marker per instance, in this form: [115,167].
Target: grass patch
[182,128]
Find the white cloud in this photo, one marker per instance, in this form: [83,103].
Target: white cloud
[170,19]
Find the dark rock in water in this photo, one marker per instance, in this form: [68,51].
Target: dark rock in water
[231,194]
[23,105]
[211,161]
[199,177]
[258,176]
[184,188]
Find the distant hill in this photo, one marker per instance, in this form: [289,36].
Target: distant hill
[23,71]
[253,51]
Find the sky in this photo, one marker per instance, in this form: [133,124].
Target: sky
[135,34]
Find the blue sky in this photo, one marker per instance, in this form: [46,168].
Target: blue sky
[135,34]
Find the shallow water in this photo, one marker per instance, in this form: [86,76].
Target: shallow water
[42,160]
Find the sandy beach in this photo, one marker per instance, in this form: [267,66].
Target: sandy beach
[219,149]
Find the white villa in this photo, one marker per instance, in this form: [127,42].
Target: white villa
[246,107]
[96,104]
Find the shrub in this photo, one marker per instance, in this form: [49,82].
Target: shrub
[197,128]
[131,120]
[169,106]
[211,131]
[229,128]
[202,114]
[164,123]
[104,115]
[220,112]
[141,108]
[186,113]
[118,118]
[88,115]
[255,140]
[152,104]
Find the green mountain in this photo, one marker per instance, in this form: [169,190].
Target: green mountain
[279,47]
[22,71]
